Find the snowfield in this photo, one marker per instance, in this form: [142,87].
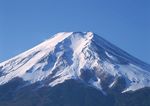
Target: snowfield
[82,56]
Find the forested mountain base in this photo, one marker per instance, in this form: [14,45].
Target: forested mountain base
[69,93]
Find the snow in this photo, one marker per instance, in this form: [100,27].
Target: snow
[64,55]
[110,56]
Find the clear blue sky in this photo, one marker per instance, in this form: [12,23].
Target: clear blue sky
[25,23]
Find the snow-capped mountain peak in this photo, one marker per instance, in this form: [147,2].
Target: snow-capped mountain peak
[82,56]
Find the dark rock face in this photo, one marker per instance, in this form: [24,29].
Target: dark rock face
[69,93]
[87,75]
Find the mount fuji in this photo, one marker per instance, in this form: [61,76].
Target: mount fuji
[74,69]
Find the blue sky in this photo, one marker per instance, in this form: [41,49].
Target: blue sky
[26,23]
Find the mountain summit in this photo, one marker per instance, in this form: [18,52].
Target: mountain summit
[81,56]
